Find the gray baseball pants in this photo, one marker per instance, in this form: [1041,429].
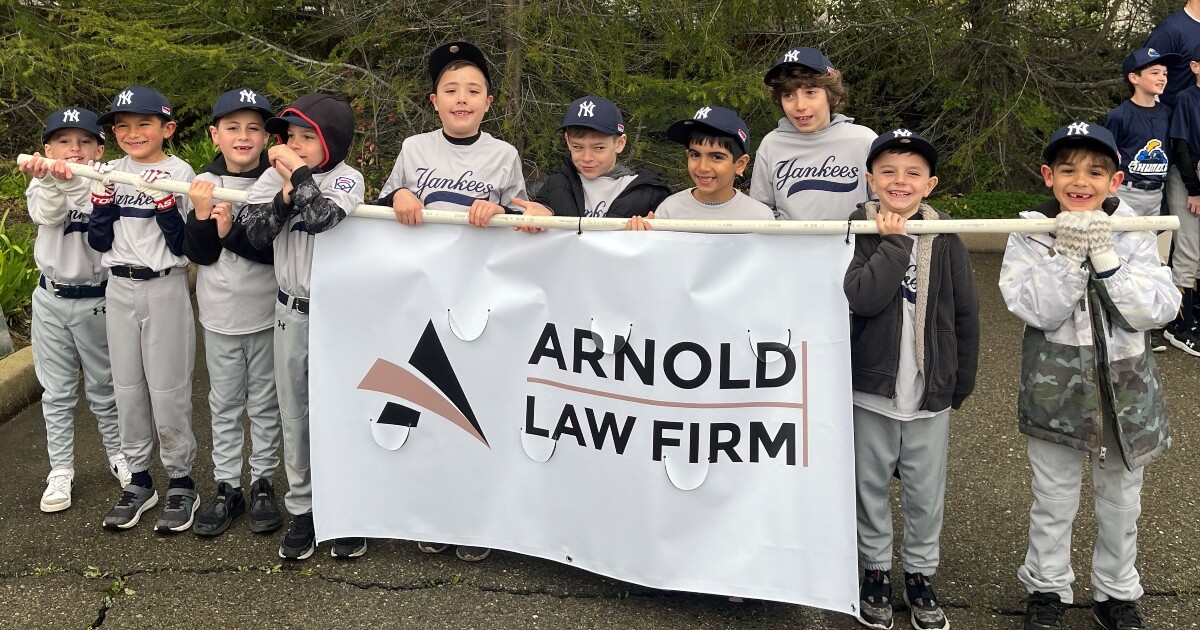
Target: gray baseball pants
[69,334]
[241,373]
[917,448]
[152,344]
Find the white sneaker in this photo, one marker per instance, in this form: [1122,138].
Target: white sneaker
[57,496]
[120,469]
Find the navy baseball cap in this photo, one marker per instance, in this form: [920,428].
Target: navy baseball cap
[73,118]
[904,139]
[1082,132]
[1143,57]
[725,122]
[446,54]
[241,98]
[596,113]
[137,99]
[809,58]
[279,124]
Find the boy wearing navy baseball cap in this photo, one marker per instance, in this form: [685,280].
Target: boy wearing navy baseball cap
[914,349]
[591,182]
[717,142]
[68,330]
[1139,126]
[151,330]
[236,292]
[1089,385]
[1183,201]
[813,164]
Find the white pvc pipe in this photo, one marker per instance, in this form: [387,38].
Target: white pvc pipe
[953,226]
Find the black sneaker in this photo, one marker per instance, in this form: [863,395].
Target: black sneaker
[1044,612]
[300,540]
[1157,342]
[1115,614]
[264,512]
[348,547]
[432,547]
[875,600]
[218,515]
[925,612]
[467,553]
[1184,340]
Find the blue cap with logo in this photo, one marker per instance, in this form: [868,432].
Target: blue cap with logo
[596,113]
[809,58]
[1143,57]
[1080,132]
[73,118]
[907,140]
[723,121]
[137,99]
[241,98]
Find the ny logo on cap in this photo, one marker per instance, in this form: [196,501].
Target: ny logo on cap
[901,133]
[791,55]
[248,96]
[71,115]
[702,113]
[125,98]
[586,109]
[1077,129]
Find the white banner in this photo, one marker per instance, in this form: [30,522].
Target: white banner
[667,409]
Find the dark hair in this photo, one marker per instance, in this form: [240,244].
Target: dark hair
[900,150]
[796,77]
[1083,150]
[574,132]
[717,139]
[1129,84]
[463,63]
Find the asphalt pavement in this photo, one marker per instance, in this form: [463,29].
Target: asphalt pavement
[65,571]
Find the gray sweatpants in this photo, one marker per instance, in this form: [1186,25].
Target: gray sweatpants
[1147,203]
[68,334]
[1057,476]
[152,345]
[241,374]
[291,380]
[918,449]
[1185,258]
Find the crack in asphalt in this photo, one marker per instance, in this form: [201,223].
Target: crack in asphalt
[111,598]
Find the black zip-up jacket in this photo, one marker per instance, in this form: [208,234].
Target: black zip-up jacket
[563,193]
[203,246]
[872,286]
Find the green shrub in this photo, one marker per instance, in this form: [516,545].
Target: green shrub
[12,182]
[18,272]
[987,204]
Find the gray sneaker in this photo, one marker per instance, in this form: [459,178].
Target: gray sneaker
[177,516]
[134,500]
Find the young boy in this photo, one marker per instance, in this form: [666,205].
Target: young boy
[718,146]
[592,183]
[1139,126]
[457,168]
[1089,384]
[914,346]
[68,331]
[236,291]
[310,190]
[1183,200]
[151,332]
[810,167]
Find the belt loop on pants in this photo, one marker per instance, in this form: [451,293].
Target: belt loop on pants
[73,291]
[295,303]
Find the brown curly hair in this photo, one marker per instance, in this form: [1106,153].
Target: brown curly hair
[798,77]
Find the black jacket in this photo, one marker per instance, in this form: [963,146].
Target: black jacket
[563,193]
[200,241]
[872,286]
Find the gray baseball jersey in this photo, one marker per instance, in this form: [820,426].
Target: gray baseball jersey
[447,176]
[682,205]
[293,236]
[236,295]
[137,238]
[61,209]
[599,193]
